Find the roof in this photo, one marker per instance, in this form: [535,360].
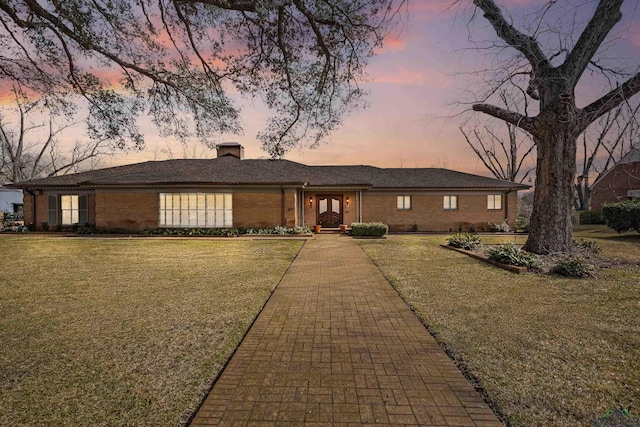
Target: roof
[231,171]
[633,156]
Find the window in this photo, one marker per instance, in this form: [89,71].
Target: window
[404,202]
[68,209]
[201,210]
[494,201]
[450,203]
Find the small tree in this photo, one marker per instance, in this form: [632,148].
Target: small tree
[505,154]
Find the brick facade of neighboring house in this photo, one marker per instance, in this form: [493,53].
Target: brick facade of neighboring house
[229,191]
[621,182]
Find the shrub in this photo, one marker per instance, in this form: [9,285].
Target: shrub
[502,228]
[373,229]
[587,245]
[513,255]
[573,267]
[45,226]
[622,216]
[466,241]
[522,223]
[591,217]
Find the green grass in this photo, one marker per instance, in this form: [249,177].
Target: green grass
[124,331]
[546,350]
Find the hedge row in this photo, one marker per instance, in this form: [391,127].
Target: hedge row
[374,229]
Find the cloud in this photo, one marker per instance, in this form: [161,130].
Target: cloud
[427,77]
[393,43]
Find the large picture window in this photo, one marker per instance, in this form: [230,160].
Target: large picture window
[494,201]
[68,209]
[201,210]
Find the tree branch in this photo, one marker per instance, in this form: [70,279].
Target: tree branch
[609,101]
[517,119]
[605,17]
[525,44]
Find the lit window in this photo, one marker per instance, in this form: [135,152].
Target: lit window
[494,201]
[196,210]
[68,209]
[404,202]
[450,202]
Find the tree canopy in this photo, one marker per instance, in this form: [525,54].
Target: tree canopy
[178,60]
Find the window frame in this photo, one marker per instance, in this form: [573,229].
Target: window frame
[195,210]
[79,211]
[448,198]
[403,206]
[491,202]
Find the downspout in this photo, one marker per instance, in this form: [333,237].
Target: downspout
[360,207]
[283,219]
[506,207]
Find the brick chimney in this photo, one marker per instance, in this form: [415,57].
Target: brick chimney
[230,149]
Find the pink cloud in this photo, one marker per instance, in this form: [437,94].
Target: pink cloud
[431,78]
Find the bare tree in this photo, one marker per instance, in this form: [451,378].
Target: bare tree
[602,145]
[178,59]
[506,156]
[29,145]
[554,66]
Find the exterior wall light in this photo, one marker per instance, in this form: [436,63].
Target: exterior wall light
[310,201]
[347,201]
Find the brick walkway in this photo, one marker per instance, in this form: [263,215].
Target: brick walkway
[335,345]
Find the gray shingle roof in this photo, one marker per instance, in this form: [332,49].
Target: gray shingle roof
[229,170]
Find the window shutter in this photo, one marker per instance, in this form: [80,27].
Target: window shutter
[83,209]
[53,210]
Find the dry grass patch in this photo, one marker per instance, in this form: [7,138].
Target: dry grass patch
[124,331]
[546,350]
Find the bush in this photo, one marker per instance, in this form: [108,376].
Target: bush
[373,229]
[587,245]
[466,241]
[522,223]
[513,255]
[502,228]
[573,267]
[591,217]
[622,216]
[277,230]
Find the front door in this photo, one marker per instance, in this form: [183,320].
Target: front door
[329,210]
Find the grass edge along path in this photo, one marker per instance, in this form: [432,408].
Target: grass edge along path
[545,350]
[124,331]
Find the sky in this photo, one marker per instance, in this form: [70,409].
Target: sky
[416,84]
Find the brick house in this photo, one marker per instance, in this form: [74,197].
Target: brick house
[621,182]
[230,191]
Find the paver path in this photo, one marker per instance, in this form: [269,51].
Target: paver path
[336,345]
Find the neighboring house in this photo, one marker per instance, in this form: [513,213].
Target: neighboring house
[11,201]
[230,191]
[621,182]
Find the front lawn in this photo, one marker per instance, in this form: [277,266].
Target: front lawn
[546,350]
[124,331]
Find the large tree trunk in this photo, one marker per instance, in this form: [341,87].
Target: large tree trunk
[551,227]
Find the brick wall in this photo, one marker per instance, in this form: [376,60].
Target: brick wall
[131,211]
[427,212]
[264,208]
[613,187]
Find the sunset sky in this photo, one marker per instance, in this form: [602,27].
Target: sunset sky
[415,83]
